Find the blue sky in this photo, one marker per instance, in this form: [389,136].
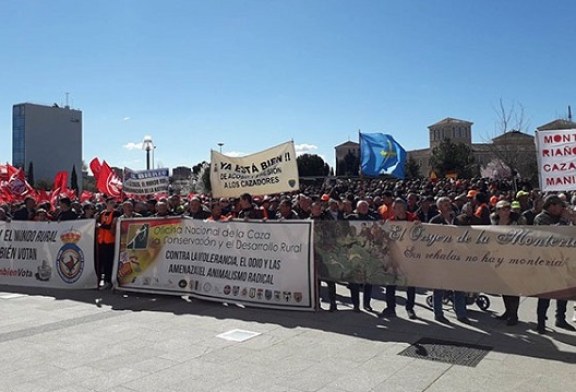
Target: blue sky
[252,74]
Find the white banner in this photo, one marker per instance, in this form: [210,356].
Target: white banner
[48,254]
[270,171]
[254,263]
[145,182]
[557,159]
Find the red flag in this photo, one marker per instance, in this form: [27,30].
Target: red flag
[85,196]
[95,166]
[17,184]
[161,195]
[69,193]
[42,196]
[108,181]
[54,198]
[61,181]
[5,195]
[6,171]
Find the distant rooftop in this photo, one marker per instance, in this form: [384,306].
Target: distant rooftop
[450,121]
[557,124]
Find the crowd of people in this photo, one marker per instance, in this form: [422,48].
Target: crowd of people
[445,202]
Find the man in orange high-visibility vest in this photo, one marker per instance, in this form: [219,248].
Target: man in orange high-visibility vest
[106,227]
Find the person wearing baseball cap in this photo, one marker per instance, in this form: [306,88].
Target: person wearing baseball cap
[504,216]
[551,215]
[523,198]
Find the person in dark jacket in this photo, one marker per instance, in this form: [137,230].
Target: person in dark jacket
[362,213]
[26,212]
[66,213]
[316,213]
[196,210]
[247,208]
[551,215]
[446,217]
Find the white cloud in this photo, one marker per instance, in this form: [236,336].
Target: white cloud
[133,146]
[304,148]
[234,154]
[126,118]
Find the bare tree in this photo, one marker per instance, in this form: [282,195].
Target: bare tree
[511,145]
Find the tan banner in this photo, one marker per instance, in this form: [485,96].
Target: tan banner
[515,260]
[270,171]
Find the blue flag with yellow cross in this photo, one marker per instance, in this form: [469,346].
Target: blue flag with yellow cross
[381,154]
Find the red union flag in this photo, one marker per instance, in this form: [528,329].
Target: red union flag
[108,181]
[6,171]
[17,184]
[85,196]
[61,181]
[95,166]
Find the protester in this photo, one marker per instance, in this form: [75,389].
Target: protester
[66,213]
[128,210]
[40,215]
[446,217]
[4,216]
[285,210]
[247,209]
[467,217]
[216,213]
[362,213]
[400,213]
[551,215]
[26,212]
[196,209]
[504,216]
[106,230]
[316,213]
[162,209]
[88,211]
[427,209]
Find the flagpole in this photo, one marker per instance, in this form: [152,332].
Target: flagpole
[359,162]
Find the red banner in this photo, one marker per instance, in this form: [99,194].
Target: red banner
[108,182]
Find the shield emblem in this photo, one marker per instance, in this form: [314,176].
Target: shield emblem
[291,183]
[298,297]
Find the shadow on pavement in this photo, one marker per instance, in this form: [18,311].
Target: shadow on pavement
[518,340]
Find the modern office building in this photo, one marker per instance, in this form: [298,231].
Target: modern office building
[49,137]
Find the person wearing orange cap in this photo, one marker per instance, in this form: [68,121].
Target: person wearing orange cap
[493,200]
[385,210]
[482,208]
[471,193]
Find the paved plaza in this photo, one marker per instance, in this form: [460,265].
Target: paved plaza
[77,341]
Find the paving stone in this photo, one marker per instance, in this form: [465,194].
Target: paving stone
[154,343]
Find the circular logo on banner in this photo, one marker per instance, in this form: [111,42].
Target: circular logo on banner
[70,262]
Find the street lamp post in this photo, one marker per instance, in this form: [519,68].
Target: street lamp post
[220,145]
[148,146]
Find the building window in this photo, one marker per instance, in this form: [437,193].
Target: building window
[18,155]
